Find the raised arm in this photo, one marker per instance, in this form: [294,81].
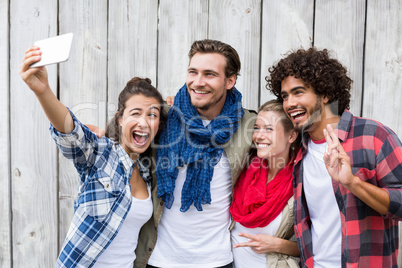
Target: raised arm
[37,81]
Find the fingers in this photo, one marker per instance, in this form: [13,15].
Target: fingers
[100,133]
[97,130]
[32,55]
[31,49]
[249,236]
[332,140]
[170,100]
[246,244]
[250,243]
[32,52]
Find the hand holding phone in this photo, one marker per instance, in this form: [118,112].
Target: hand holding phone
[54,49]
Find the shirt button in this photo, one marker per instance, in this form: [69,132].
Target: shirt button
[150,249]
[161,203]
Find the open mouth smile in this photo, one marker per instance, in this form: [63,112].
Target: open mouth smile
[262,145]
[297,115]
[140,138]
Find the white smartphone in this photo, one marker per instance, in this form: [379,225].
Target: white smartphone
[54,49]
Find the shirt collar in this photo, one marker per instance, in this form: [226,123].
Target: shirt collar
[127,162]
[341,130]
[343,127]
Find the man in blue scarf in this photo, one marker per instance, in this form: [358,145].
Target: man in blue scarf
[200,156]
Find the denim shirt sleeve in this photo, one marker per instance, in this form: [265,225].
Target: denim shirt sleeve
[82,146]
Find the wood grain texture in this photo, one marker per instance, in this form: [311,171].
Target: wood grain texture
[116,40]
[343,35]
[5,193]
[180,24]
[132,50]
[83,84]
[287,25]
[33,153]
[237,23]
[383,68]
[383,64]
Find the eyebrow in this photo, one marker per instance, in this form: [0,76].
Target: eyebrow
[154,107]
[135,109]
[140,109]
[293,89]
[204,71]
[265,125]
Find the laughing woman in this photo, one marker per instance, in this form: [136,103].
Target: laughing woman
[262,206]
[113,200]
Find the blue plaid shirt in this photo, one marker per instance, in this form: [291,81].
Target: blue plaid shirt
[104,195]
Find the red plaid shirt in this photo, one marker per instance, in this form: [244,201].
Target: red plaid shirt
[369,239]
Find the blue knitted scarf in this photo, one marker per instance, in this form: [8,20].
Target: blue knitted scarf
[185,141]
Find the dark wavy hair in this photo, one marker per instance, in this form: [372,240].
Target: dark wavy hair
[233,64]
[327,76]
[136,86]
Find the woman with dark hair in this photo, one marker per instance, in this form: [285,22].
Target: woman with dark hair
[114,199]
[262,206]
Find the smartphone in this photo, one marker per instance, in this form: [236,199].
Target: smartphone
[54,50]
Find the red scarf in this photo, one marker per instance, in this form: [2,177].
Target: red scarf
[255,202]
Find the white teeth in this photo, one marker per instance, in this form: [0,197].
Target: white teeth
[262,145]
[199,92]
[141,133]
[296,113]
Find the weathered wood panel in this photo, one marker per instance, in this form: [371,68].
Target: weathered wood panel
[286,25]
[5,223]
[180,24]
[115,41]
[33,154]
[383,64]
[133,40]
[83,82]
[343,33]
[383,68]
[238,24]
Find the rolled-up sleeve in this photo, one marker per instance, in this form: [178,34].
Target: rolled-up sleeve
[81,146]
[389,172]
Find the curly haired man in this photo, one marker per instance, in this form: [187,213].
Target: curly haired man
[348,174]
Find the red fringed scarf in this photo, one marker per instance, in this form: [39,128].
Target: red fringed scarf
[256,203]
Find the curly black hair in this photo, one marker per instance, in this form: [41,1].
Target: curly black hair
[327,76]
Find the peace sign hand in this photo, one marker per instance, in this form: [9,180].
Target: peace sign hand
[260,243]
[336,160]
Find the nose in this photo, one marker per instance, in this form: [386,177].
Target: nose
[142,122]
[290,102]
[199,80]
[258,134]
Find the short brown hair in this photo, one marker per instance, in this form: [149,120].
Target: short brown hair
[233,64]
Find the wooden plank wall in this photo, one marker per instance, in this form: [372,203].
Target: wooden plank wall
[5,190]
[34,184]
[115,40]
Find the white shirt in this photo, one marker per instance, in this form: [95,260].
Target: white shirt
[121,251]
[197,239]
[245,257]
[323,208]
